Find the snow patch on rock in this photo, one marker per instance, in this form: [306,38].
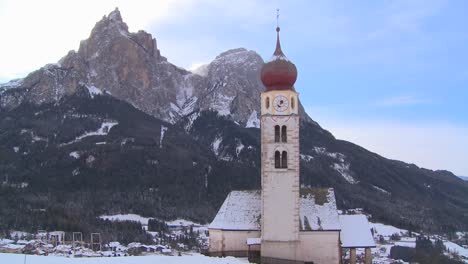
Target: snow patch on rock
[163,130]
[239,148]
[306,158]
[215,145]
[253,120]
[93,90]
[381,189]
[75,154]
[102,131]
[343,169]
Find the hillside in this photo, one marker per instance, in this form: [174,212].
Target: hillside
[116,128]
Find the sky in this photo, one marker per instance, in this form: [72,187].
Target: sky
[389,75]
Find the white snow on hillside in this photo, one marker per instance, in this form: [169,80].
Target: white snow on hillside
[191,118]
[454,248]
[144,220]
[93,90]
[222,104]
[335,155]
[215,145]
[253,120]
[386,230]
[75,154]
[163,130]
[126,217]
[306,157]
[187,259]
[343,169]
[239,148]
[381,189]
[11,84]
[102,131]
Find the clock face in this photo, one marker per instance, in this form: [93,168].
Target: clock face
[280,103]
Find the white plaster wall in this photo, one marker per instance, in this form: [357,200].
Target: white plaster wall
[280,187]
[321,247]
[216,240]
[225,241]
[281,250]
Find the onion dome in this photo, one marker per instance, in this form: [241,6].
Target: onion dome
[279,73]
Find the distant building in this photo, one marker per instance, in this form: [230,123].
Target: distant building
[282,223]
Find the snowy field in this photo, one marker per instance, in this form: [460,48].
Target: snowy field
[155,259]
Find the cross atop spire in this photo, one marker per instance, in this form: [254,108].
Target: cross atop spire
[277,17]
[278,51]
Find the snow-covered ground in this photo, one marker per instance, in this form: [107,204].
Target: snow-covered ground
[382,251]
[127,217]
[102,131]
[187,259]
[385,237]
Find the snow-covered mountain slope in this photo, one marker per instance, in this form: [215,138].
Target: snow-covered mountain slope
[129,66]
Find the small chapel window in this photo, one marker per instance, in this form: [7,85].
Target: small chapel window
[277,160]
[284,135]
[267,102]
[284,160]
[277,133]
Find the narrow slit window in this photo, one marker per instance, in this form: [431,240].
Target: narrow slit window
[292,102]
[284,134]
[277,133]
[267,102]
[284,160]
[277,160]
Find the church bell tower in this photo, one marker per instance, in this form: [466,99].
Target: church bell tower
[279,159]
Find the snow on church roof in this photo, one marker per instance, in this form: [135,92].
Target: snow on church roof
[242,211]
[355,232]
[318,210]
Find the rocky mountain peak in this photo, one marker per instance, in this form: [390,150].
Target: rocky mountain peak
[231,52]
[111,22]
[129,66]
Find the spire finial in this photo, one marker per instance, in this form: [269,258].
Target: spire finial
[278,51]
[277,20]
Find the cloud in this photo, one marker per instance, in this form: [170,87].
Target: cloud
[434,145]
[35,33]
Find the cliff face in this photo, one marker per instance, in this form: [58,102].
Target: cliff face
[129,66]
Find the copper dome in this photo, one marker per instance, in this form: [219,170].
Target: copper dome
[279,73]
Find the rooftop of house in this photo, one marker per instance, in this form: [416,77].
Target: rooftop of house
[355,232]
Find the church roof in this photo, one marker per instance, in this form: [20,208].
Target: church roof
[318,210]
[355,232]
[242,211]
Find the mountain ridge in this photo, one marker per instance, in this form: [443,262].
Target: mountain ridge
[211,127]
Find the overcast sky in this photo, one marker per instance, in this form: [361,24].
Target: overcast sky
[391,76]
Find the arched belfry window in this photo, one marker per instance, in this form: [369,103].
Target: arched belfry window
[284,134]
[277,133]
[284,159]
[277,160]
[292,102]
[267,102]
